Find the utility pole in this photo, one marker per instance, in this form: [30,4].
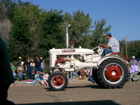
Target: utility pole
[125,41]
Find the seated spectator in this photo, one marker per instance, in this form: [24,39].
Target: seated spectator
[133,65]
[13,69]
[45,78]
[20,70]
[38,78]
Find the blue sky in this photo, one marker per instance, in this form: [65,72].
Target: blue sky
[122,15]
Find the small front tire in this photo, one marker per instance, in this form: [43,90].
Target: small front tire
[57,81]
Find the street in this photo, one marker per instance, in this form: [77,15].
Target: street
[78,92]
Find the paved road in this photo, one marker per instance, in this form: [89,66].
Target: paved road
[78,92]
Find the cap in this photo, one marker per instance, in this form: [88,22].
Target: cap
[41,57]
[107,33]
[133,56]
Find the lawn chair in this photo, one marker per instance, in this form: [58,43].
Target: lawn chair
[133,77]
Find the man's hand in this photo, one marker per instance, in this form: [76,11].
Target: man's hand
[101,45]
[104,46]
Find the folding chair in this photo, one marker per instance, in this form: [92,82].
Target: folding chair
[133,77]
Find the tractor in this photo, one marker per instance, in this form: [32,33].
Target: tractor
[109,71]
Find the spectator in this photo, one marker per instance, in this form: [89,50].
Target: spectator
[38,64]
[43,65]
[21,61]
[87,71]
[45,77]
[38,78]
[13,70]
[90,77]
[139,65]
[133,65]
[32,64]
[6,75]
[29,68]
[20,70]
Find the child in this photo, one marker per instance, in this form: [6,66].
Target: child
[45,77]
[38,78]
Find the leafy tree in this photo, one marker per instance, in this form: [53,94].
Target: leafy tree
[26,30]
[5,23]
[11,5]
[53,30]
[97,33]
[80,25]
[134,49]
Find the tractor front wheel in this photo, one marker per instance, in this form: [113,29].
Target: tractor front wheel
[57,81]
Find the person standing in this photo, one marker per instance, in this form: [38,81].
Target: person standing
[29,68]
[6,75]
[43,65]
[38,64]
[112,45]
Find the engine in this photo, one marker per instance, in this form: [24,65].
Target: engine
[73,59]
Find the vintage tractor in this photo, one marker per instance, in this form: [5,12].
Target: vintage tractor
[109,71]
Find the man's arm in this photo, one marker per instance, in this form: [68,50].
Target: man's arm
[104,46]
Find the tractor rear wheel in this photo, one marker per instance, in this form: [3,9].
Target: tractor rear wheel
[112,73]
[57,81]
[94,75]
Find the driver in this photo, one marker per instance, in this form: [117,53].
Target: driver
[112,45]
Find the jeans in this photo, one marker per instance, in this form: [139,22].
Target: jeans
[20,75]
[106,51]
[14,74]
[39,69]
[29,72]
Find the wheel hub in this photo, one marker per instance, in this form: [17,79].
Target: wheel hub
[58,81]
[113,73]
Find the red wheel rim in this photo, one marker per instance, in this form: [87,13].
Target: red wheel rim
[58,81]
[113,73]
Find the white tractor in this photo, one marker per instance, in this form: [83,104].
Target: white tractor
[109,71]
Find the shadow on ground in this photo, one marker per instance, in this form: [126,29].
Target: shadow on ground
[101,102]
[84,86]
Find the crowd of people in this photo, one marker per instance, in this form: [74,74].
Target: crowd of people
[32,69]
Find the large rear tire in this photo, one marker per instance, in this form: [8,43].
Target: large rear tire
[112,73]
[57,81]
[94,75]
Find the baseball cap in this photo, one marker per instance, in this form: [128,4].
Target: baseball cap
[107,33]
[133,56]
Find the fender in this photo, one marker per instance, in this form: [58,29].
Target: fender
[110,56]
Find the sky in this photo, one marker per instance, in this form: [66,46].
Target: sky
[122,15]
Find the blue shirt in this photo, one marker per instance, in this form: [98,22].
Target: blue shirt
[37,77]
[38,63]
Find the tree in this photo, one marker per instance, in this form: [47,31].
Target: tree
[5,23]
[79,29]
[133,49]
[26,31]
[97,33]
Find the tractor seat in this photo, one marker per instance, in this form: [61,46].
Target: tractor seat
[114,53]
